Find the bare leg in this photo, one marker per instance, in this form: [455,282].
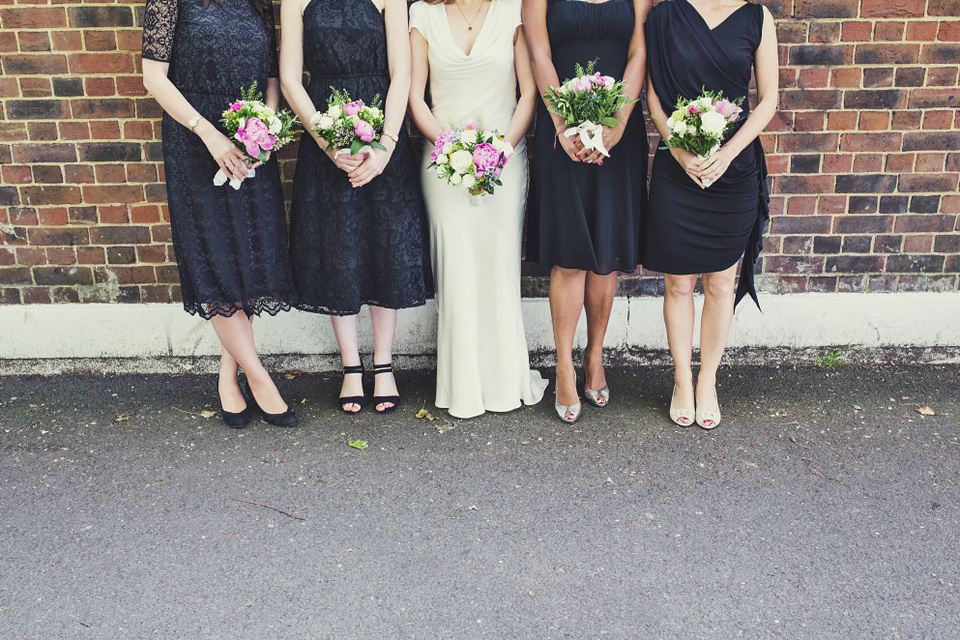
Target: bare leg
[718,290]
[236,336]
[600,291]
[566,303]
[384,329]
[678,316]
[345,329]
[231,398]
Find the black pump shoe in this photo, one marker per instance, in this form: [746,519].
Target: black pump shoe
[378,400]
[236,420]
[286,419]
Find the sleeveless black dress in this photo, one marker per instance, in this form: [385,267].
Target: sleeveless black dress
[584,216]
[231,246]
[351,247]
[692,230]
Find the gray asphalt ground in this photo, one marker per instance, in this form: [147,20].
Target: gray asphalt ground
[825,506]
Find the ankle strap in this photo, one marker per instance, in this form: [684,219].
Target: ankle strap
[356,368]
[382,368]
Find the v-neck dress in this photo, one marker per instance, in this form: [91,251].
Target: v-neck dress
[482,359]
[587,216]
[365,246]
[689,229]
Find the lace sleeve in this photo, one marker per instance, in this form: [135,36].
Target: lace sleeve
[270,21]
[159,24]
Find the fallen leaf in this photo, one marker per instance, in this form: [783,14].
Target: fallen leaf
[423,414]
[472,507]
[857,407]
[358,444]
[206,414]
[926,411]
[122,417]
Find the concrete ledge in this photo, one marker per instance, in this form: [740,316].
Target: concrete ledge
[116,338]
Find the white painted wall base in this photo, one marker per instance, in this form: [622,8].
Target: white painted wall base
[116,338]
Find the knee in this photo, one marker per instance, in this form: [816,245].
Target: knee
[679,287]
[717,287]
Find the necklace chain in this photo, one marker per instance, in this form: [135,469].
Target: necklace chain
[469,22]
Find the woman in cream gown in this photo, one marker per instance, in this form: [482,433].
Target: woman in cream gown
[474,55]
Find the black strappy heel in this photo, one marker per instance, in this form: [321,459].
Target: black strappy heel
[378,400]
[357,400]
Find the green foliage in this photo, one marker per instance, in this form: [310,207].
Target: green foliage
[832,358]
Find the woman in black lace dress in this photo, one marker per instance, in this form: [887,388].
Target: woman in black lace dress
[358,228]
[230,244]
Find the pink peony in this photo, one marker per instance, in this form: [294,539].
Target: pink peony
[364,131]
[442,139]
[727,109]
[255,137]
[352,108]
[236,106]
[485,157]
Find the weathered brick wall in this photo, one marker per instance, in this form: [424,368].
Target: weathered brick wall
[863,155]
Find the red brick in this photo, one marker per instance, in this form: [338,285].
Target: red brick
[114,214]
[91,255]
[83,63]
[868,163]
[930,162]
[42,130]
[917,244]
[932,98]
[16,174]
[809,121]
[887,53]
[870,141]
[144,214]
[856,31]
[112,194]
[842,120]
[802,205]
[61,256]
[34,40]
[111,173]
[100,40]
[78,173]
[47,194]
[837,163]
[919,182]
[33,18]
[130,86]
[906,120]
[899,162]
[66,40]
[99,87]
[814,78]
[34,63]
[826,8]
[922,31]
[30,256]
[949,31]
[106,130]
[888,30]
[942,77]
[874,120]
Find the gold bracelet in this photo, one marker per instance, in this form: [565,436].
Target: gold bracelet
[392,136]
[194,121]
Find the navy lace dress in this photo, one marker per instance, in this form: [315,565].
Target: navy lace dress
[584,216]
[231,246]
[351,247]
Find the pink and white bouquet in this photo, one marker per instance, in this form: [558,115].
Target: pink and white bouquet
[350,126]
[256,129]
[472,158]
[589,102]
[698,125]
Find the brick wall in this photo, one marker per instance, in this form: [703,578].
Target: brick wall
[864,154]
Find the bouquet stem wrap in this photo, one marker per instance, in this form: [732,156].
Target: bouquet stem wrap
[591,136]
[220,178]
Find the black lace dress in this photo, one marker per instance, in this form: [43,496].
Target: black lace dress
[586,216]
[351,247]
[231,246]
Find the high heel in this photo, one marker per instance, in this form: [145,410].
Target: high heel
[240,419]
[593,397]
[682,417]
[709,419]
[360,400]
[286,419]
[378,400]
[568,413]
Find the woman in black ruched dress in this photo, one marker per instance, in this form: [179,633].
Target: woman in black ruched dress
[705,214]
[585,213]
[231,245]
[358,227]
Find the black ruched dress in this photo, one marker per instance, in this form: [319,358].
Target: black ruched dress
[586,216]
[368,245]
[689,229]
[231,246]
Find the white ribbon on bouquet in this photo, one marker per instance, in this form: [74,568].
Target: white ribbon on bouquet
[707,181]
[221,178]
[364,149]
[591,136]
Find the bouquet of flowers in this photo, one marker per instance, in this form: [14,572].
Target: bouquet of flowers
[256,129]
[348,125]
[699,125]
[472,158]
[588,101]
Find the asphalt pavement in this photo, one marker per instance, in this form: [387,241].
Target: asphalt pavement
[826,505]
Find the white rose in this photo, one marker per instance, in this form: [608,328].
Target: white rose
[455,179]
[679,128]
[275,125]
[447,148]
[334,111]
[468,136]
[324,121]
[460,160]
[442,159]
[670,123]
[713,123]
[705,103]
[468,181]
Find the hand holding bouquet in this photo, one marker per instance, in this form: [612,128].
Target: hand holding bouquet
[350,126]
[699,125]
[589,102]
[471,158]
[256,129]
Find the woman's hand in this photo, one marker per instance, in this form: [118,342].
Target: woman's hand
[713,168]
[689,162]
[570,144]
[232,161]
[258,163]
[610,136]
[372,166]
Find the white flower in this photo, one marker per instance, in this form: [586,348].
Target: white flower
[679,128]
[447,148]
[275,125]
[705,103]
[324,121]
[468,136]
[670,122]
[374,112]
[713,123]
[455,179]
[442,159]
[460,160]
[468,181]
[334,111]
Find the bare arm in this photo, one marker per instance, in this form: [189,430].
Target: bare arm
[419,74]
[527,102]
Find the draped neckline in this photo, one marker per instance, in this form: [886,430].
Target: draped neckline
[719,24]
[480,32]
[372,4]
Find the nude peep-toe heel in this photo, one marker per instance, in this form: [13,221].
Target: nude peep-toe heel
[681,417]
[709,419]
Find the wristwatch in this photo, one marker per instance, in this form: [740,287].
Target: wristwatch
[392,136]
[194,121]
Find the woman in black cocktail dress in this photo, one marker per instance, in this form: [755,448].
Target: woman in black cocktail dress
[585,210]
[231,245]
[705,214]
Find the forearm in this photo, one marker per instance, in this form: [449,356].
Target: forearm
[521,119]
[423,117]
[395,106]
[758,120]
[167,95]
[657,113]
[272,95]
